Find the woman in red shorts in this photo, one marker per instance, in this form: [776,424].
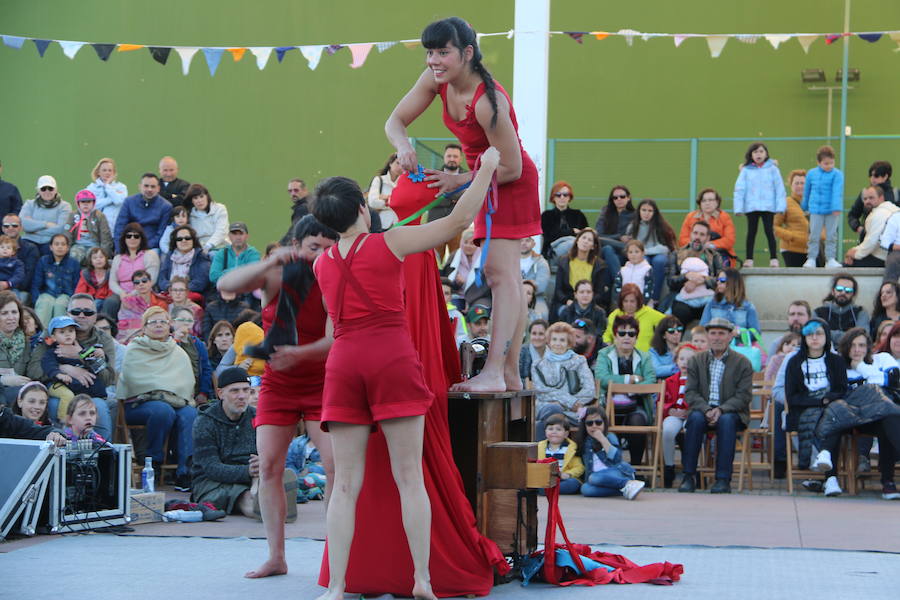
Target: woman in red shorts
[478,111]
[373,374]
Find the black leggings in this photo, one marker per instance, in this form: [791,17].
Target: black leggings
[888,432]
[752,221]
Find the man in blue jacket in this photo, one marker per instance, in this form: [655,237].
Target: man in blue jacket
[10,198]
[148,208]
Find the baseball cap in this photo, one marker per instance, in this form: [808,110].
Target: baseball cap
[46,181]
[232,375]
[720,323]
[477,312]
[584,325]
[85,195]
[238,226]
[61,322]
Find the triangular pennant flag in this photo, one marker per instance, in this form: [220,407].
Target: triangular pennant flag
[833,37]
[237,53]
[871,37]
[678,39]
[646,36]
[70,49]
[776,39]
[359,52]
[628,34]
[213,57]
[312,54]
[281,50]
[14,41]
[382,46]
[575,35]
[600,35]
[747,38]
[160,54]
[806,41]
[333,48]
[103,50]
[262,55]
[41,46]
[895,35]
[716,43]
[411,44]
[129,47]
[187,55]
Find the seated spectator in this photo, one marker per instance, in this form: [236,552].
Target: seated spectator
[183,322]
[792,226]
[883,332]
[462,267]
[798,313]
[561,223]
[562,380]
[699,338]
[54,279]
[675,410]
[108,326]
[622,362]
[134,256]
[224,306]
[150,210]
[886,308]
[730,302]
[156,383]
[558,445]
[31,403]
[180,218]
[880,173]
[586,340]
[530,292]
[535,268]
[87,227]
[479,322]
[690,285]
[718,391]
[34,329]
[220,339]
[666,339]
[658,240]
[136,304]
[880,236]
[636,270]
[631,303]
[583,307]
[612,227]
[721,228]
[235,255]
[45,215]
[248,331]
[533,350]
[94,279]
[185,259]
[171,187]
[226,465]
[10,198]
[582,262]
[17,366]
[12,269]
[457,320]
[784,347]
[379,194]
[80,417]
[27,251]
[839,310]
[178,292]
[890,342]
[110,194]
[605,474]
[63,349]
[209,219]
[19,428]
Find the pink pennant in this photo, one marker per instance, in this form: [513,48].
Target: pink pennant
[359,52]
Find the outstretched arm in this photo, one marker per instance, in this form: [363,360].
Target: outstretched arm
[407,110]
[265,274]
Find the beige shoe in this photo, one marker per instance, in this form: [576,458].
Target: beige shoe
[290,495]
[748,264]
[773,263]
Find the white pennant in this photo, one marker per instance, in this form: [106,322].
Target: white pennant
[382,46]
[776,39]
[806,41]
[747,38]
[678,39]
[262,56]
[312,54]
[716,43]
[628,34]
[70,49]
[186,54]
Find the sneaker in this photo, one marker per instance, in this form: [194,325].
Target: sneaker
[183,483]
[812,485]
[773,263]
[863,465]
[809,264]
[748,264]
[832,264]
[632,489]
[889,491]
[832,488]
[822,463]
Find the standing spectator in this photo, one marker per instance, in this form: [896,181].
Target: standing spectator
[839,310]
[823,199]
[379,195]
[185,259]
[583,262]
[873,250]
[792,226]
[109,192]
[879,174]
[612,226]
[533,350]
[12,270]
[759,192]
[718,391]
[180,218]
[170,187]
[178,292]
[299,199]
[730,302]
[631,303]
[721,236]
[666,338]
[535,268]
[27,251]
[653,231]
[45,215]
[237,254]
[54,280]
[224,306]
[219,342]
[94,279]
[87,227]
[562,381]
[886,307]
[583,307]
[675,409]
[134,255]
[135,304]
[691,284]
[10,199]
[149,209]
[561,223]
[208,218]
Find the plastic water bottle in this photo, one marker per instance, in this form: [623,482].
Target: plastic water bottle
[185,516]
[147,478]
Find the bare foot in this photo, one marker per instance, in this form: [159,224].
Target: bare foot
[422,591]
[513,381]
[273,566]
[483,382]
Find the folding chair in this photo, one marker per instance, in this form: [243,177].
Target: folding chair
[653,431]
[761,428]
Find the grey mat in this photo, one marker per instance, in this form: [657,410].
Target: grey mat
[108,567]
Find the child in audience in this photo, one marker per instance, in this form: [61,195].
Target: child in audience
[699,338]
[699,295]
[562,380]
[62,345]
[180,218]
[787,344]
[584,307]
[32,326]
[606,474]
[675,409]
[31,403]
[560,446]
[94,279]
[823,198]
[637,271]
[759,193]
[55,277]
[12,270]
[81,416]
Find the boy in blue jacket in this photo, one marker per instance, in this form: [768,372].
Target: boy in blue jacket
[823,198]
[12,270]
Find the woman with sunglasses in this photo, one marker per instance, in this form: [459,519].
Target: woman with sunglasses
[605,473]
[631,303]
[666,338]
[583,262]
[135,255]
[136,303]
[186,259]
[709,210]
[45,215]
[730,302]
[613,224]
[561,223]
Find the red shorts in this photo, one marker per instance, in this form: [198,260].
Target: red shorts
[373,373]
[281,405]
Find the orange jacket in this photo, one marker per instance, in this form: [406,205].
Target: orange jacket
[722,224]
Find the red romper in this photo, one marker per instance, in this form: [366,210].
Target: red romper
[373,372]
[286,397]
[519,211]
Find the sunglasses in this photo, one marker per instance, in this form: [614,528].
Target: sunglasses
[158,322]
[76,312]
[619,196]
[674,329]
[722,279]
[47,188]
[841,288]
[184,239]
[11,225]
[594,423]
[184,320]
[626,333]
[580,323]
[140,281]
[562,195]
[132,236]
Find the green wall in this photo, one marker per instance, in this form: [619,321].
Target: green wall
[245,132]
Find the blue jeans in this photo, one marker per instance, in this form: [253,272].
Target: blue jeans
[604,483]
[695,430]
[612,259]
[159,417]
[569,486]
[658,263]
[103,427]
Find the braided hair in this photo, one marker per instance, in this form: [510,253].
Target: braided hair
[456,31]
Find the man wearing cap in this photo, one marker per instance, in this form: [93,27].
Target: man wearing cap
[148,208]
[87,227]
[170,187]
[238,254]
[45,215]
[718,392]
[28,251]
[10,199]
[479,320]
